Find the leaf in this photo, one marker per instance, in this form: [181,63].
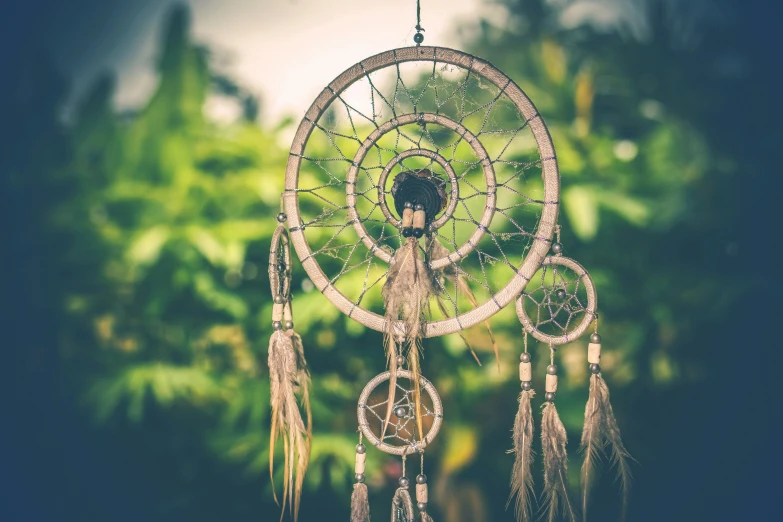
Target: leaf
[631,209]
[145,249]
[163,383]
[554,59]
[461,448]
[207,245]
[581,207]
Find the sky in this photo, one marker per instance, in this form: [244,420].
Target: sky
[284,50]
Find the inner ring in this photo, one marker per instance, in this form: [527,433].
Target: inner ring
[440,160]
[478,149]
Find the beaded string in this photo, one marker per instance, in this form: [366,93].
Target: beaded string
[418,37]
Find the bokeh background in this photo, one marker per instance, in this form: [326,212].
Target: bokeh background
[142,155]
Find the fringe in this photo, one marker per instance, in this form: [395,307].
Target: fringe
[436,250]
[360,503]
[289,377]
[521,476]
[553,444]
[406,296]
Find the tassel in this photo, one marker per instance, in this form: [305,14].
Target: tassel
[402,506]
[553,444]
[425,517]
[601,431]
[288,377]
[406,295]
[521,476]
[360,504]
[451,272]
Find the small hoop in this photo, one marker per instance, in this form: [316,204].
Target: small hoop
[440,160]
[418,446]
[590,310]
[279,250]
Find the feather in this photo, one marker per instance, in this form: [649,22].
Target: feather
[360,504]
[452,273]
[289,377]
[601,431]
[406,295]
[402,506]
[591,444]
[553,444]
[391,361]
[425,517]
[521,476]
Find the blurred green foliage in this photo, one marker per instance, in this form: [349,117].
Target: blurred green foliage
[165,217]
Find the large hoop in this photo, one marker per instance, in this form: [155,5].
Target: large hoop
[542,235]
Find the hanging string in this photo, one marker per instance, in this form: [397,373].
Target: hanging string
[403,464]
[418,37]
[525,338]
[552,350]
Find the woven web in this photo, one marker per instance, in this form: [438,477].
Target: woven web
[413,88]
[401,431]
[556,300]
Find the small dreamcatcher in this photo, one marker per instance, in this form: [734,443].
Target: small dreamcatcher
[425,176]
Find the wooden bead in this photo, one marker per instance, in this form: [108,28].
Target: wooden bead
[594,353]
[407,218]
[551,383]
[419,219]
[525,371]
[288,315]
[361,460]
[422,495]
[277,312]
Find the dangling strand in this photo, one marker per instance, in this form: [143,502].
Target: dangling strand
[422,494]
[553,445]
[360,503]
[601,431]
[418,37]
[406,294]
[289,378]
[521,476]
[402,506]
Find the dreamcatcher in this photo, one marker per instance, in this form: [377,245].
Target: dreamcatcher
[421,197]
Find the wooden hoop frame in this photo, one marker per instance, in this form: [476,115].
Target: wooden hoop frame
[551,177]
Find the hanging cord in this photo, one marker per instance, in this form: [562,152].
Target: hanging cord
[418,37]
